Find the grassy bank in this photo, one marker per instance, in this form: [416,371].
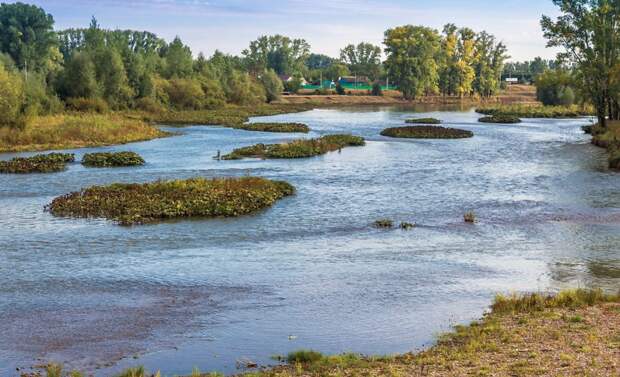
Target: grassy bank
[610,139]
[535,111]
[130,204]
[426,132]
[296,149]
[74,130]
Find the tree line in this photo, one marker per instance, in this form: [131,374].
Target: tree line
[44,71]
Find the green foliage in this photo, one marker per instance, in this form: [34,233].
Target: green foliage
[298,148]
[304,357]
[272,84]
[11,98]
[536,111]
[503,119]
[185,94]
[88,105]
[283,55]
[53,370]
[130,204]
[377,91]
[340,90]
[111,74]
[241,89]
[553,88]
[293,85]
[533,302]
[47,163]
[178,60]
[102,160]
[133,372]
[423,121]
[275,127]
[79,79]
[363,59]
[427,132]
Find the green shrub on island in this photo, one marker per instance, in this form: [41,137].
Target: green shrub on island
[116,159]
[536,111]
[426,132]
[42,163]
[500,119]
[276,127]
[423,121]
[296,149]
[129,204]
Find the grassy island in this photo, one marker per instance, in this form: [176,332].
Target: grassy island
[423,121]
[298,148]
[276,127]
[536,111]
[129,204]
[42,163]
[116,159]
[500,119]
[426,132]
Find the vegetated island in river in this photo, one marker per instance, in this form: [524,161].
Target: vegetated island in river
[536,111]
[131,204]
[276,127]
[297,149]
[500,119]
[41,163]
[423,121]
[572,333]
[426,132]
[115,159]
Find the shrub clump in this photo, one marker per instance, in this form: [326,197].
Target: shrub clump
[129,204]
[423,121]
[104,160]
[427,132]
[503,119]
[383,224]
[276,127]
[42,163]
[298,148]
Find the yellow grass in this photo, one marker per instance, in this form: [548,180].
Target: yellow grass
[75,130]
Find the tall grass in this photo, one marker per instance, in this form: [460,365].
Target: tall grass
[530,302]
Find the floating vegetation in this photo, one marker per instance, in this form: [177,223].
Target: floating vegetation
[537,111]
[501,119]
[470,217]
[129,204]
[384,224]
[42,163]
[406,226]
[276,127]
[298,148]
[116,159]
[427,132]
[423,121]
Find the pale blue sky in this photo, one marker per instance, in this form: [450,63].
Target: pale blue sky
[228,25]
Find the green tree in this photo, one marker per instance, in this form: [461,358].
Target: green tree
[110,73]
[363,59]
[11,98]
[178,60]
[284,55]
[411,60]
[79,79]
[272,84]
[553,87]
[490,58]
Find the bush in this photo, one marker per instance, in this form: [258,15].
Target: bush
[427,132]
[47,163]
[185,94]
[275,127]
[340,90]
[149,104]
[116,159]
[241,89]
[297,149]
[423,121]
[553,88]
[376,90]
[129,204]
[293,85]
[272,84]
[11,98]
[502,119]
[88,105]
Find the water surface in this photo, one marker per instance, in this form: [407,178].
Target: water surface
[310,272]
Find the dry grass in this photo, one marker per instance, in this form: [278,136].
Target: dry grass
[75,130]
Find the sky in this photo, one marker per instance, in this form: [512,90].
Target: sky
[328,25]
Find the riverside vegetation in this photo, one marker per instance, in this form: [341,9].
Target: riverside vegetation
[297,149]
[130,204]
[104,159]
[276,127]
[536,111]
[500,119]
[608,138]
[42,163]
[423,121]
[427,132]
[572,333]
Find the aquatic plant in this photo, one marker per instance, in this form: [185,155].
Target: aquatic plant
[406,226]
[470,217]
[423,121]
[275,127]
[384,224]
[296,149]
[42,163]
[427,132]
[500,119]
[537,111]
[105,159]
[304,357]
[130,204]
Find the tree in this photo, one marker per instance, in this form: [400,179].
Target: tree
[27,35]
[79,78]
[553,87]
[11,97]
[412,52]
[284,55]
[178,60]
[490,58]
[589,32]
[272,84]
[363,59]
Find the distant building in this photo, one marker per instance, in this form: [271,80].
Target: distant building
[512,80]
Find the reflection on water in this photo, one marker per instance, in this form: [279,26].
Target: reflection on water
[309,272]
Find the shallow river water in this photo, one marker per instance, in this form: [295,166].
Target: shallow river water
[310,272]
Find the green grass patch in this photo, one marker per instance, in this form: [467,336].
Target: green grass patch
[423,121]
[500,119]
[276,127]
[532,302]
[42,163]
[129,204]
[426,132]
[296,149]
[537,111]
[304,357]
[116,159]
